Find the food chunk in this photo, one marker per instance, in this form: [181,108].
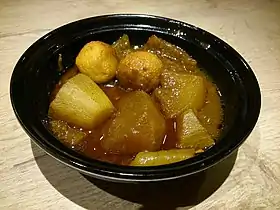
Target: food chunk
[98,61]
[179,92]
[122,47]
[162,157]
[190,132]
[211,113]
[81,102]
[64,78]
[138,126]
[68,75]
[168,51]
[140,70]
[65,133]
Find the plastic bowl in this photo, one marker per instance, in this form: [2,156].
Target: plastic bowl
[35,75]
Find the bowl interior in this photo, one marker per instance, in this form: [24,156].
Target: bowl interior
[36,74]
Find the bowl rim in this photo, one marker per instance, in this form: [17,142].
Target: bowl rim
[128,173]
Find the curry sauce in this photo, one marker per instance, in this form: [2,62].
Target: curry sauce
[208,114]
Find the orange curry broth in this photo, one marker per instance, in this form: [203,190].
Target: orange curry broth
[91,145]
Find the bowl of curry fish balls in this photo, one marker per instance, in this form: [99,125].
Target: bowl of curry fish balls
[135,98]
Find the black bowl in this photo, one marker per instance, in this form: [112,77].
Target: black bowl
[36,73]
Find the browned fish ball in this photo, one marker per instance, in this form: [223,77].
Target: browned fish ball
[139,70]
[98,61]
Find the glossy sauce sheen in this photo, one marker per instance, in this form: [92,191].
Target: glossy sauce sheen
[210,115]
[91,145]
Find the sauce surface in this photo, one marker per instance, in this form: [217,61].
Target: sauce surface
[174,60]
[91,145]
